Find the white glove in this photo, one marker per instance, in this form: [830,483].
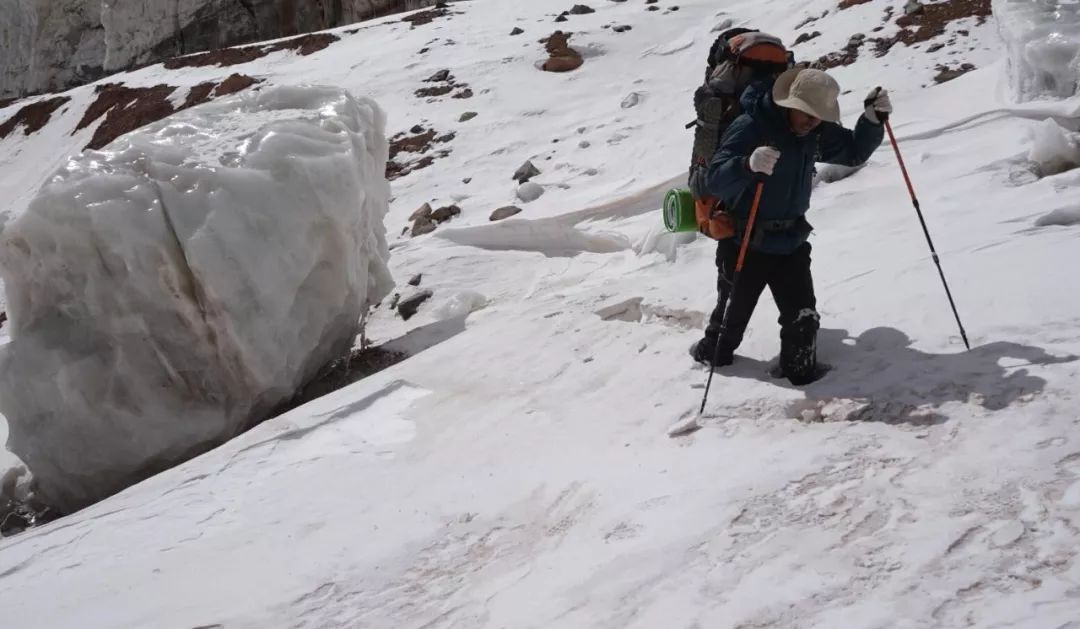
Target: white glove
[763,160]
[877,101]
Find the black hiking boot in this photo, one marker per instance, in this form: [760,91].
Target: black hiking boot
[704,352]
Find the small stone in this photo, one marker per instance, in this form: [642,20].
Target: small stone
[651,1]
[516,31]
[530,191]
[525,172]
[424,211]
[441,75]
[581,9]
[505,212]
[584,144]
[415,280]
[631,100]
[622,28]
[913,7]
[417,129]
[423,225]
[592,172]
[444,214]
[652,7]
[561,18]
[467,116]
[467,180]
[409,306]
[582,129]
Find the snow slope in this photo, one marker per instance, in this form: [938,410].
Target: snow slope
[516,470]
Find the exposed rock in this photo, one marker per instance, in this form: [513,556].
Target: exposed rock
[525,172]
[946,73]
[584,144]
[581,9]
[409,306]
[632,100]
[562,58]
[516,31]
[847,4]
[423,225]
[424,211]
[805,37]
[913,7]
[441,75]
[434,90]
[416,279]
[622,28]
[444,214]
[505,212]
[467,116]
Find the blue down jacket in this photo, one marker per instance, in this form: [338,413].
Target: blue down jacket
[781,228]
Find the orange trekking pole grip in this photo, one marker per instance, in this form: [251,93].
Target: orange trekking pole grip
[734,285]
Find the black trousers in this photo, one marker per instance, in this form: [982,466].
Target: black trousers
[788,278]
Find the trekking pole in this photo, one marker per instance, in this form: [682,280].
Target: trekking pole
[926,231]
[734,287]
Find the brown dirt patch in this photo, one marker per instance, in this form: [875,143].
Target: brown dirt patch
[235,83]
[128,108]
[303,45]
[931,22]
[199,94]
[417,141]
[427,17]
[33,116]
[847,4]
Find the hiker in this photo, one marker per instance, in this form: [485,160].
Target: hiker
[786,126]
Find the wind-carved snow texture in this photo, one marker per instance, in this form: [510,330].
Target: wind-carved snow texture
[169,291]
[1043,38]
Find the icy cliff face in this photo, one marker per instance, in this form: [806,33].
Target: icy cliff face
[49,45]
[168,291]
[1043,40]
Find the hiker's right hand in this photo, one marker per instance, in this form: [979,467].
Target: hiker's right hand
[763,160]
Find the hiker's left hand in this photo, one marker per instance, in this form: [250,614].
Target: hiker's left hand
[877,102]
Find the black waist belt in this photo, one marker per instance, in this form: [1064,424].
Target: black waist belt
[784,225]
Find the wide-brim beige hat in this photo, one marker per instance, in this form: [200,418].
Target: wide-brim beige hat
[810,91]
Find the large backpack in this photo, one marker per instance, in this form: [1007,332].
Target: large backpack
[738,57]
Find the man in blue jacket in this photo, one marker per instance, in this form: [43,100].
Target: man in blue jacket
[779,137]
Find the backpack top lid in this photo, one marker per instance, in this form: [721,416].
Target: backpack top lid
[758,47]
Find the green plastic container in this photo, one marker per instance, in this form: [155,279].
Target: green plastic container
[679,213]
